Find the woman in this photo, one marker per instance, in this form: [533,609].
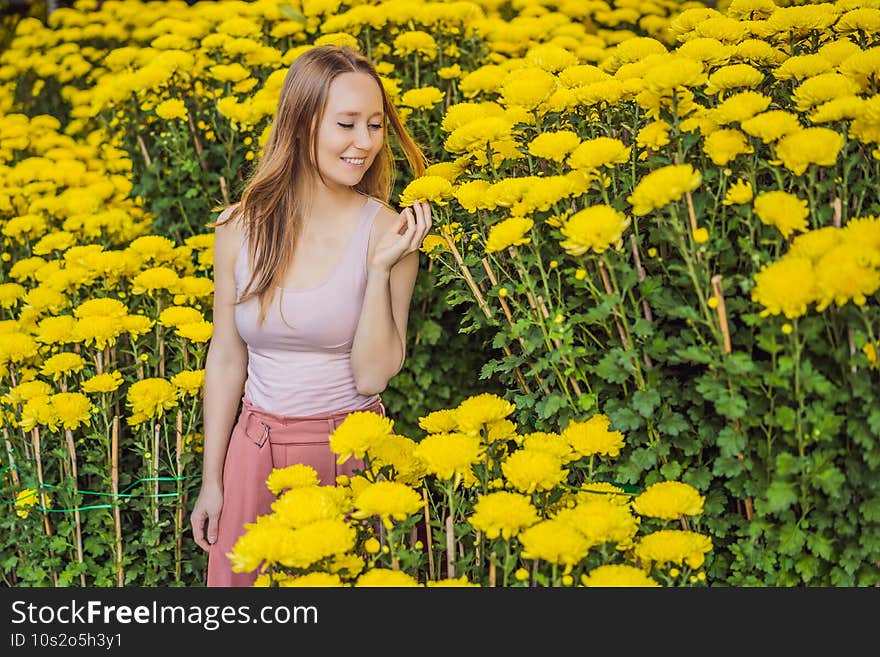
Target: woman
[313,277]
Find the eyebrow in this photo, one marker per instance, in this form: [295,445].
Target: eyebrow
[358,113]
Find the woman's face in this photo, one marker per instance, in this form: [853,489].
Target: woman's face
[352,132]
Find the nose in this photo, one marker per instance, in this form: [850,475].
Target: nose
[362,138]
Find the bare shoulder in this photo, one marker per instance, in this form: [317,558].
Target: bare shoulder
[386,217]
[228,237]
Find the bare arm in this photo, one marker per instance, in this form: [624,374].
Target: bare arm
[225,373]
[379,347]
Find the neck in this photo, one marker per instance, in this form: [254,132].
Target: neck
[326,204]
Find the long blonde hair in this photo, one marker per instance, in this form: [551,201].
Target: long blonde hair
[270,211]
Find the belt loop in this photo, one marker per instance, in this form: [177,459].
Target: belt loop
[265,434]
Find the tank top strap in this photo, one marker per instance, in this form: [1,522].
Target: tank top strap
[365,229]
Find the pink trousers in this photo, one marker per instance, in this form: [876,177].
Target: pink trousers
[262,441]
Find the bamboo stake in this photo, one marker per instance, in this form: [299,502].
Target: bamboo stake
[178,556]
[837,207]
[117,521]
[195,136]
[223,190]
[721,309]
[428,541]
[143,147]
[450,548]
[492,571]
[71,449]
[35,435]
[154,470]
[12,469]
[606,283]
[646,307]
[467,275]
[722,312]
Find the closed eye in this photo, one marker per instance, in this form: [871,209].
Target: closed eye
[351,125]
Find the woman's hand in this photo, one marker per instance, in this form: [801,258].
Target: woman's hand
[404,237]
[207,510]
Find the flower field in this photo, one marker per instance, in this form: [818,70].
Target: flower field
[643,342]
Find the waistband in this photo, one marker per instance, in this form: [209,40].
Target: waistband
[261,425]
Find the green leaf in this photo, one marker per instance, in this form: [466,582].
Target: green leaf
[673,424]
[780,496]
[731,406]
[610,367]
[624,419]
[791,539]
[829,479]
[820,546]
[549,405]
[645,401]
[870,509]
[644,458]
[785,418]
[807,567]
[430,331]
[730,442]
[671,470]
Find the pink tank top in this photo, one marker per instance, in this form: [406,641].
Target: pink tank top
[306,370]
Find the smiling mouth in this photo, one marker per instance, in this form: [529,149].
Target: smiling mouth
[354,161]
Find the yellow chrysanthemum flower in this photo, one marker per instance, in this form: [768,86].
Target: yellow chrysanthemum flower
[457,582]
[738,193]
[555,542]
[435,189]
[297,475]
[598,228]
[382,577]
[60,364]
[771,126]
[723,146]
[477,410]
[503,514]
[554,145]
[614,575]
[174,316]
[786,286]
[797,150]
[449,456]
[531,470]
[785,211]
[311,580]
[105,382]
[196,331]
[599,152]
[387,500]
[188,382]
[602,520]
[441,421]
[673,546]
[173,108]
[510,232]
[357,433]
[663,186]
[72,409]
[669,500]
[422,98]
[305,505]
[593,437]
[150,398]
[847,272]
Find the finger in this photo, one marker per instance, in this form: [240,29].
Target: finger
[410,221]
[212,528]
[403,222]
[198,528]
